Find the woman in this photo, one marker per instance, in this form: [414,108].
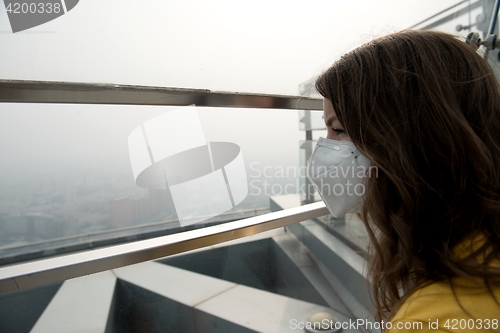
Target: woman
[424,108]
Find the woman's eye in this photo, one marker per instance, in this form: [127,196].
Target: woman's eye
[337,130]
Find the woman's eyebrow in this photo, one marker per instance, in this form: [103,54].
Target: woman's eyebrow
[330,121]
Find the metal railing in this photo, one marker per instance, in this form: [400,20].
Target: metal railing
[453,12]
[32,274]
[94,93]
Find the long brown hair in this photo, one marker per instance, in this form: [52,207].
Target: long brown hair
[424,107]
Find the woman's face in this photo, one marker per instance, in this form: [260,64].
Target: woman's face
[335,131]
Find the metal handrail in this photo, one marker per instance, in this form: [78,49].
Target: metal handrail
[41,272]
[95,93]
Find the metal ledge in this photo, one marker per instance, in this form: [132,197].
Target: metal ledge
[18,91]
[33,274]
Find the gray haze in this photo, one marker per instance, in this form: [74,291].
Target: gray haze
[254,46]
[65,169]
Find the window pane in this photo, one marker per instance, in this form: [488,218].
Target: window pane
[68,180]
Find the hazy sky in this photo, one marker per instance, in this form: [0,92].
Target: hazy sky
[254,46]
[232,45]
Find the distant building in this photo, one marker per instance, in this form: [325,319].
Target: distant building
[33,226]
[126,211]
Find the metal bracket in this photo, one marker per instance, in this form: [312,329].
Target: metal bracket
[489,42]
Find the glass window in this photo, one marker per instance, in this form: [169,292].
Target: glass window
[72,176]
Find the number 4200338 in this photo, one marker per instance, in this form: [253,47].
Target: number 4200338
[41,7]
[472,324]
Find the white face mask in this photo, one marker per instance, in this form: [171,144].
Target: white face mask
[338,172]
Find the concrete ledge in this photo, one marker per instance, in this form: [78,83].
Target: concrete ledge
[80,305]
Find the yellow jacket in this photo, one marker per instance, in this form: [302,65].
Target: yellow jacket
[434,308]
